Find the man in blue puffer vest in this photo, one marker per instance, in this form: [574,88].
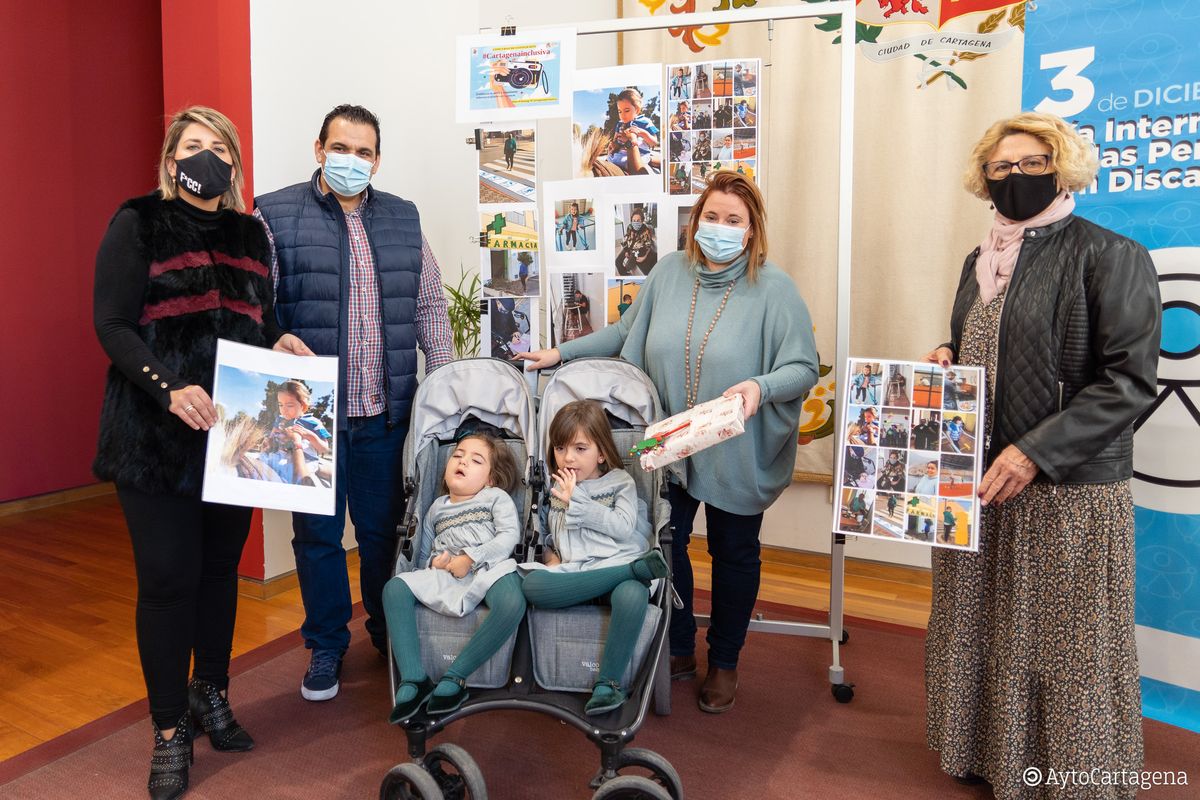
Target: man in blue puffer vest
[354,278]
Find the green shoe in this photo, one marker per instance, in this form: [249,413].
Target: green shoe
[445,703]
[405,709]
[606,696]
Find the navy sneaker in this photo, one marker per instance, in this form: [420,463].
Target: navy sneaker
[321,680]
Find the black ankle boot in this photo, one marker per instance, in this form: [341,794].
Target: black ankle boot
[213,716]
[170,761]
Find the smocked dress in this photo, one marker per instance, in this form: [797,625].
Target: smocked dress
[1030,658]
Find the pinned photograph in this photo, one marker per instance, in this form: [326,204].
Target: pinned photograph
[745,144]
[617,122]
[507,166]
[510,273]
[508,228]
[576,305]
[926,427]
[955,526]
[960,390]
[866,378]
[958,433]
[720,124]
[855,510]
[860,467]
[922,473]
[896,380]
[889,515]
[621,294]
[683,218]
[509,326]
[745,114]
[893,466]
[745,78]
[893,428]
[274,441]
[525,77]
[574,225]
[635,232]
[679,83]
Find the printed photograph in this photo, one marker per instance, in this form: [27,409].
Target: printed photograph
[889,515]
[921,523]
[722,79]
[745,143]
[576,303]
[574,225]
[860,467]
[855,510]
[927,386]
[745,78]
[683,217]
[621,294]
[960,390]
[702,82]
[511,273]
[745,114]
[866,378]
[680,146]
[862,426]
[922,473]
[893,427]
[958,433]
[635,232]
[897,378]
[511,327]
[722,148]
[722,112]
[681,116]
[955,526]
[680,179]
[893,465]
[702,111]
[507,166]
[926,427]
[617,128]
[679,82]
[508,229]
[958,476]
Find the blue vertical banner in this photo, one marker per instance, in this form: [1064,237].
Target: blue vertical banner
[1126,73]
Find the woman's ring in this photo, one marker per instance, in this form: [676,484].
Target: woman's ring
[189,407]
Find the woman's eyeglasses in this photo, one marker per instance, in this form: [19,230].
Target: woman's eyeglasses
[1030,165]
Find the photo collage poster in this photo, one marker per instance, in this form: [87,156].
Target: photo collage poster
[522,77]
[511,279]
[274,442]
[911,455]
[605,242]
[713,111]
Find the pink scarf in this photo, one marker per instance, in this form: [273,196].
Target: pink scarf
[999,251]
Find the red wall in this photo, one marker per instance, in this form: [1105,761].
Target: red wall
[82,104]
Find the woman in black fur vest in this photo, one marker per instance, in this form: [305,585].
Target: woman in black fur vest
[178,269]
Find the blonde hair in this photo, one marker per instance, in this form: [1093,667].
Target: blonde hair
[1071,155]
[730,182]
[219,124]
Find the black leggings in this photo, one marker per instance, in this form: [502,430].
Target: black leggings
[186,554]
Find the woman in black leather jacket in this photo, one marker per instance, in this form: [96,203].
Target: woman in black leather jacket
[1030,655]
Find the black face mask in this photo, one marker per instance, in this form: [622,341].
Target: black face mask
[1020,197]
[204,175]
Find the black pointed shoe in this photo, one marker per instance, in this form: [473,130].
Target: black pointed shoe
[170,761]
[213,716]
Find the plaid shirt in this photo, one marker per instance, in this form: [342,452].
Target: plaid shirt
[364,359]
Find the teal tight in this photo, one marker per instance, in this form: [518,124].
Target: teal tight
[628,596]
[506,606]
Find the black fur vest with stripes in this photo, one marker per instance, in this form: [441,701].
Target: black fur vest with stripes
[205,284]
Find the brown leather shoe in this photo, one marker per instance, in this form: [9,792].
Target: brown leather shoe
[717,692]
[683,668]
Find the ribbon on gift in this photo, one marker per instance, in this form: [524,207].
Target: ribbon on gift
[645,445]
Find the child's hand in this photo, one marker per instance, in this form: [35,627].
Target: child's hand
[550,558]
[459,566]
[564,485]
[441,560]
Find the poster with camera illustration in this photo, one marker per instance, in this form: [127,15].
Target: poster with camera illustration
[910,455]
[712,113]
[274,442]
[519,77]
[616,122]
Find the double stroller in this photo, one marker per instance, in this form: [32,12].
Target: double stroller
[549,665]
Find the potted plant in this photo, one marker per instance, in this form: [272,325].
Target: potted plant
[463,311]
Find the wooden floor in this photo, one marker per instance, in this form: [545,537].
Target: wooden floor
[67,590]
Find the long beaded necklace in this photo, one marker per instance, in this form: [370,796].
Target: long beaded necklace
[693,389]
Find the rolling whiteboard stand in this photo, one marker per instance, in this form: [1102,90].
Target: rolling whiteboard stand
[833,630]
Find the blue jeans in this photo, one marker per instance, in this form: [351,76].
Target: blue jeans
[734,547]
[369,459]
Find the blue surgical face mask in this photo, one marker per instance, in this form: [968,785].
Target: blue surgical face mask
[637,226]
[347,174]
[720,243]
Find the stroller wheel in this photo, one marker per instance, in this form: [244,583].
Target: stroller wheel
[463,780]
[631,787]
[408,781]
[661,772]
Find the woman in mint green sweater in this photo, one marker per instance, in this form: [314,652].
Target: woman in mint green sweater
[718,319]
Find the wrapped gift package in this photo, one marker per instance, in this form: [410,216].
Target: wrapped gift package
[696,429]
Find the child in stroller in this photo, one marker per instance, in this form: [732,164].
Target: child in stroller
[465,557]
[597,541]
